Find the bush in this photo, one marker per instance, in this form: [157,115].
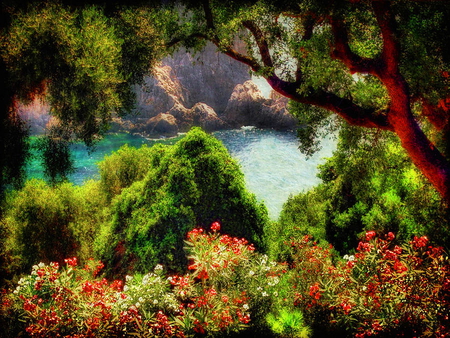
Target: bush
[368,184]
[125,166]
[227,282]
[192,183]
[40,223]
[384,290]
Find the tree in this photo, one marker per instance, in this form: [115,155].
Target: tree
[82,58]
[192,183]
[367,185]
[376,64]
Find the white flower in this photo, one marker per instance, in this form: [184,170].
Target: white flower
[264,294]
[137,304]
[155,301]
[245,306]
[128,278]
[349,257]
[158,267]
[41,265]
[141,300]
[126,288]
[251,273]
[273,281]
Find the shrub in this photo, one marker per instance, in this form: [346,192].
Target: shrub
[125,166]
[368,184]
[384,290]
[226,284]
[192,183]
[39,221]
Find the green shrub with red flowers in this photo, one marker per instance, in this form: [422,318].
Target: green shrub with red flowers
[227,282]
[384,290]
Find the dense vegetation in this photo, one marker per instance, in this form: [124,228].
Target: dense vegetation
[362,254]
[311,274]
[138,213]
[369,184]
[375,64]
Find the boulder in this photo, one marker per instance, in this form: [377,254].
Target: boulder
[248,107]
[206,118]
[161,125]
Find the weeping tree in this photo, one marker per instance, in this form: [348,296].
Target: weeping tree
[374,64]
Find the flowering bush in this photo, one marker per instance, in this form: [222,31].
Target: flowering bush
[226,282]
[71,301]
[383,290]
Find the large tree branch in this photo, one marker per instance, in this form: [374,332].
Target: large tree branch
[391,49]
[424,154]
[347,109]
[342,51]
[261,42]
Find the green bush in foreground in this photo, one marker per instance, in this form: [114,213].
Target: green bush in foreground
[192,183]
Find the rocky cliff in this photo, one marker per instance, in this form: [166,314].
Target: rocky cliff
[208,89]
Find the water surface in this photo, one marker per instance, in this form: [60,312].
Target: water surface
[273,166]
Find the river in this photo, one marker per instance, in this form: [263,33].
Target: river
[273,166]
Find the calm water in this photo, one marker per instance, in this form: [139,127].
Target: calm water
[273,166]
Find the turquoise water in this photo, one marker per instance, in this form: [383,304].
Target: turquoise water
[273,166]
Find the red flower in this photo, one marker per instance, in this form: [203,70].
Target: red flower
[370,235]
[88,287]
[390,236]
[314,291]
[346,307]
[71,261]
[215,226]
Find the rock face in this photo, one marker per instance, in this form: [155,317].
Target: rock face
[209,90]
[248,107]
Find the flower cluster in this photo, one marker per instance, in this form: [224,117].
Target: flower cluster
[226,278]
[384,288]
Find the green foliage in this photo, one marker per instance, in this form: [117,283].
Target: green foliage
[40,220]
[56,158]
[192,183]
[369,183]
[288,323]
[82,60]
[46,223]
[126,166]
